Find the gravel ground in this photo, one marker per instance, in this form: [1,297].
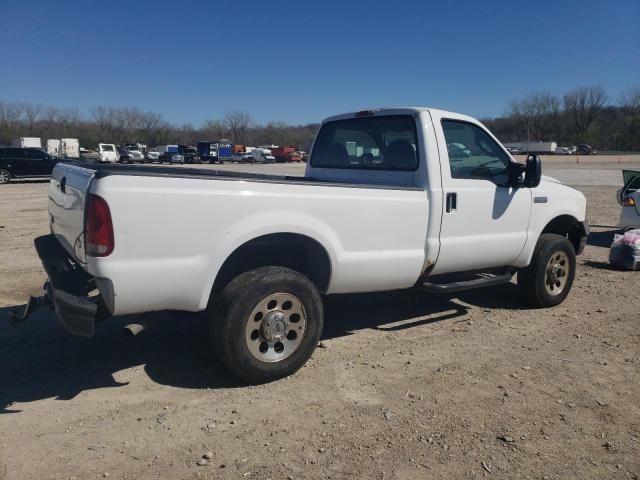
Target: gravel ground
[408,386]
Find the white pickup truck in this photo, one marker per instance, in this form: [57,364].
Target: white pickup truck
[384,205]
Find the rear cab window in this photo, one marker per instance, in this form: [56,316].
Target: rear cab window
[387,142]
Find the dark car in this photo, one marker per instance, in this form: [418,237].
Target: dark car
[189,153]
[585,149]
[123,155]
[25,162]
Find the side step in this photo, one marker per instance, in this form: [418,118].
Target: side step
[455,287]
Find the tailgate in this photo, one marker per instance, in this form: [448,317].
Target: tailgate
[67,194]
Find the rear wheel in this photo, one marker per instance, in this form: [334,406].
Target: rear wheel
[548,279]
[5,176]
[266,323]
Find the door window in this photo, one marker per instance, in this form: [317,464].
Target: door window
[473,154]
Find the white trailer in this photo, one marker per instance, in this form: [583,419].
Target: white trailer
[27,142]
[70,147]
[533,147]
[53,147]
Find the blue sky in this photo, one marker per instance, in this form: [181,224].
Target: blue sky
[301,61]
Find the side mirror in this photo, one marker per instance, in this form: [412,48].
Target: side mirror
[532,171]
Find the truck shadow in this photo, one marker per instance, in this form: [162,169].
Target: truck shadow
[40,360]
[601,239]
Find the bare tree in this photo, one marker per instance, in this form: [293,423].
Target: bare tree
[630,105]
[538,113]
[215,130]
[31,114]
[583,105]
[11,114]
[238,123]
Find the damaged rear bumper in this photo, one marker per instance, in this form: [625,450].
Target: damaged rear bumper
[68,288]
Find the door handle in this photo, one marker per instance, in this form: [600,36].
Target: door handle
[452,202]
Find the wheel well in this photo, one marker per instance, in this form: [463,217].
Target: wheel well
[567,226]
[291,250]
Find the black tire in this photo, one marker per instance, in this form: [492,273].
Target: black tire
[232,318]
[5,176]
[547,280]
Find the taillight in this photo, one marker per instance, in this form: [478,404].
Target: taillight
[628,202]
[98,227]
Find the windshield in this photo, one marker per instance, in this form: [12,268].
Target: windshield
[372,143]
[107,148]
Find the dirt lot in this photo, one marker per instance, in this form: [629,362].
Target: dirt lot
[409,385]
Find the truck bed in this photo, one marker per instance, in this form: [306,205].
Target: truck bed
[106,169]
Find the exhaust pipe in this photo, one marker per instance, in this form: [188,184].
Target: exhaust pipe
[134,329]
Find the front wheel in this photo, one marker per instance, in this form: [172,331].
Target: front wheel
[266,323]
[5,176]
[547,281]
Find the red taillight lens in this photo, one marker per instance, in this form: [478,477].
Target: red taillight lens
[628,202]
[98,227]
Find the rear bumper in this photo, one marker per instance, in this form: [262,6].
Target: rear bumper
[68,288]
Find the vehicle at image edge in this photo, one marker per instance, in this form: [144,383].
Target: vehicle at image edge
[382,206]
[17,162]
[107,153]
[629,199]
[27,142]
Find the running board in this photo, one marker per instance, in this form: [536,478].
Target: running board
[455,287]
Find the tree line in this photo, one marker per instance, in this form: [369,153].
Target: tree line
[122,125]
[583,115]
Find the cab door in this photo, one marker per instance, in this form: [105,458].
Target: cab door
[485,219]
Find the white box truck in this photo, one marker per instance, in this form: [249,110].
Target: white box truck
[53,147]
[27,142]
[70,147]
[533,147]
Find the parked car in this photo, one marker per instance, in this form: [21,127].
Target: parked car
[135,155]
[123,155]
[170,157]
[107,153]
[247,157]
[264,249]
[629,199]
[17,162]
[90,156]
[585,149]
[152,156]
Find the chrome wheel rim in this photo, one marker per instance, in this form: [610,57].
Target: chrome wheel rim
[4,176]
[275,328]
[556,273]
